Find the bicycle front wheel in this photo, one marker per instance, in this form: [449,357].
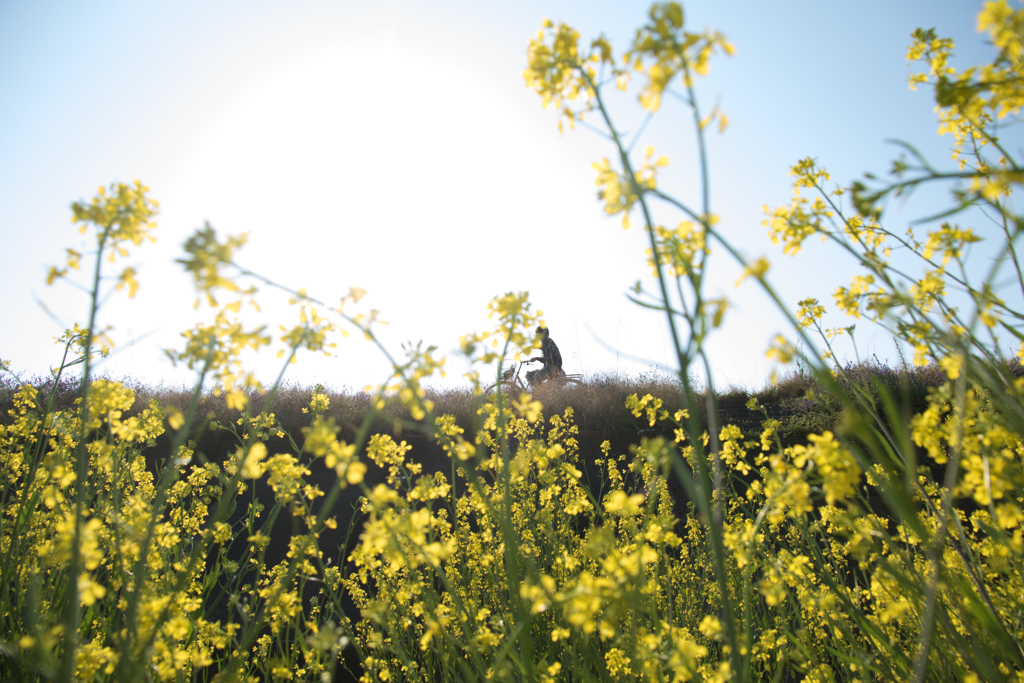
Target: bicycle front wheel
[505,387]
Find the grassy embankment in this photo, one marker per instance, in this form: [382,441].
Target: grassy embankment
[797,400]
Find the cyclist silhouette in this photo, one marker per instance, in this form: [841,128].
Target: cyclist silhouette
[551,359]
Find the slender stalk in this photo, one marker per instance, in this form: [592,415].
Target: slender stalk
[938,541]
[72,608]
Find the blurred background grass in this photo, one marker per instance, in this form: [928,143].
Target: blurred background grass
[800,403]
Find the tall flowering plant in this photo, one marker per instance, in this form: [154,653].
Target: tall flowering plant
[906,528]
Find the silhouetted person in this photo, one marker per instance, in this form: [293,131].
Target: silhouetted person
[551,359]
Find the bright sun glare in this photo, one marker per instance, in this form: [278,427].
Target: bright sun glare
[407,176]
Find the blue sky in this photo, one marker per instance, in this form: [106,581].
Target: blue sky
[394,146]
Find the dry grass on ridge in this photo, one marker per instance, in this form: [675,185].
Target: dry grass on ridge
[598,405]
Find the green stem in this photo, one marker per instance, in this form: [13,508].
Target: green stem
[72,609]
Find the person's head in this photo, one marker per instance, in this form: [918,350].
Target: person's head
[542,331]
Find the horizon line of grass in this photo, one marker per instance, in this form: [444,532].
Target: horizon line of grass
[796,399]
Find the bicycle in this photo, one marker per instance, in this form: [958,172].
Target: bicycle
[514,385]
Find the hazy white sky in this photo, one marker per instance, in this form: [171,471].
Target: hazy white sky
[394,146]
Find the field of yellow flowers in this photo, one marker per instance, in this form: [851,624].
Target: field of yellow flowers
[887,548]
